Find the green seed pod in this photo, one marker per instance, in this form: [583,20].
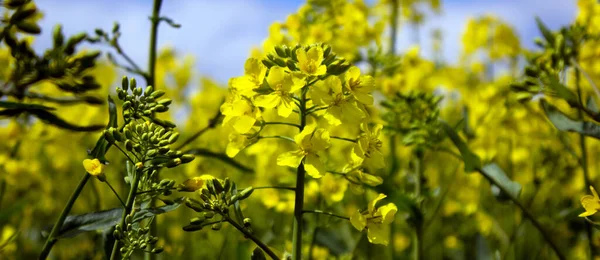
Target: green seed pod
[218,185]
[244,194]
[216,226]
[157,94]
[280,62]
[209,214]
[109,137]
[173,138]
[148,91]
[117,135]
[57,36]
[125,83]
[132,84]
[197,220]
[186,158]
[165,102]
[280,51]
[291,65]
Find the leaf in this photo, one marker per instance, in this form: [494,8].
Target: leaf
[563,123]
[258,254]
[562,91]
[472,161]
[106,219]
[498,177]
[545,31]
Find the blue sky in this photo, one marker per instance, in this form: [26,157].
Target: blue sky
[220,34]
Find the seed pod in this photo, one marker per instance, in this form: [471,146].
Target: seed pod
[186,158]
[190,228]
[148,91]
[173,138]
[109,137]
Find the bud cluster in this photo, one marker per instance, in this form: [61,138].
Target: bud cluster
[286,57]
[134,237]
[215,199]
[139,104]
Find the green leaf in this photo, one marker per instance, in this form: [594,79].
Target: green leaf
[548,35]
[563,123]
[106,219]
[498,177]
[562,91]
[472,161]
[258,254]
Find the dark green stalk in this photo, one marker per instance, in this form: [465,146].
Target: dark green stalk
[584,164]
[394,26]
[299,198]
[257,241]
[128,207]
[52,238]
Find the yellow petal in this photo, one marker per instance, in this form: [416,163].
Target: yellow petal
[358,221]
[377,234]
[374,202]
[291,159]
[93,167]
[243,124]
[267,101]
[313,166]
[388,212]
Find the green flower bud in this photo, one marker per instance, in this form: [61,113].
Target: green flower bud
[137,91]
[197,220]
[291,65]
[161,108]
[280,51]
[157,94]
[157,250]
[244,194]
[186,158]
[128,145]
[151,153]
[116,134]
[132,84]
[216,226]
[279,62]
[127,133]
[126,105]
[173,138]
[247,222]
[148,91]
[165,102]
[109,137]
[191,228]
[209,214]
[125,83]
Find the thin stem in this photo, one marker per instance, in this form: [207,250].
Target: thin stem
[212,123]
[529,216]
[281,123]
[257,241]
[272,187]
[344,138]
[587,76]
[115,192]
[157,190]
[155,20]
[277,137]
[394,27]
[316,211]
[222,157]
[2,190]
[52,238]
[124,153]
[128,207]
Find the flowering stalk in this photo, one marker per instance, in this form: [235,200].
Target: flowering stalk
[52,238]
[128,207]
[299,198]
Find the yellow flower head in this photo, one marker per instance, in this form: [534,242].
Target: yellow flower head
[310,61]
[368,148]
[283,85]
[254,75]
[340,108]
[360,86]
[590,203]
[310,141]
[375,220]
[195,183]
[94,167]
[240,113]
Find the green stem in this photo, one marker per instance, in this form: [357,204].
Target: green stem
[116,194]
[254,239]
[394,25]
[153,37]
[212,123]
[299,196]
[344,138]
[128,207]
[281,123]
[52,238]
[273,187]
[418,249]
[277,137]
[529,216]
[2,190]
[584,163]
[222,157]
[316,211]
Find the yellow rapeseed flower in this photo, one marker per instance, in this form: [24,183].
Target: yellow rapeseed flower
[94,167]
[310,141]
[310,61]
[590,203]
[375,220]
